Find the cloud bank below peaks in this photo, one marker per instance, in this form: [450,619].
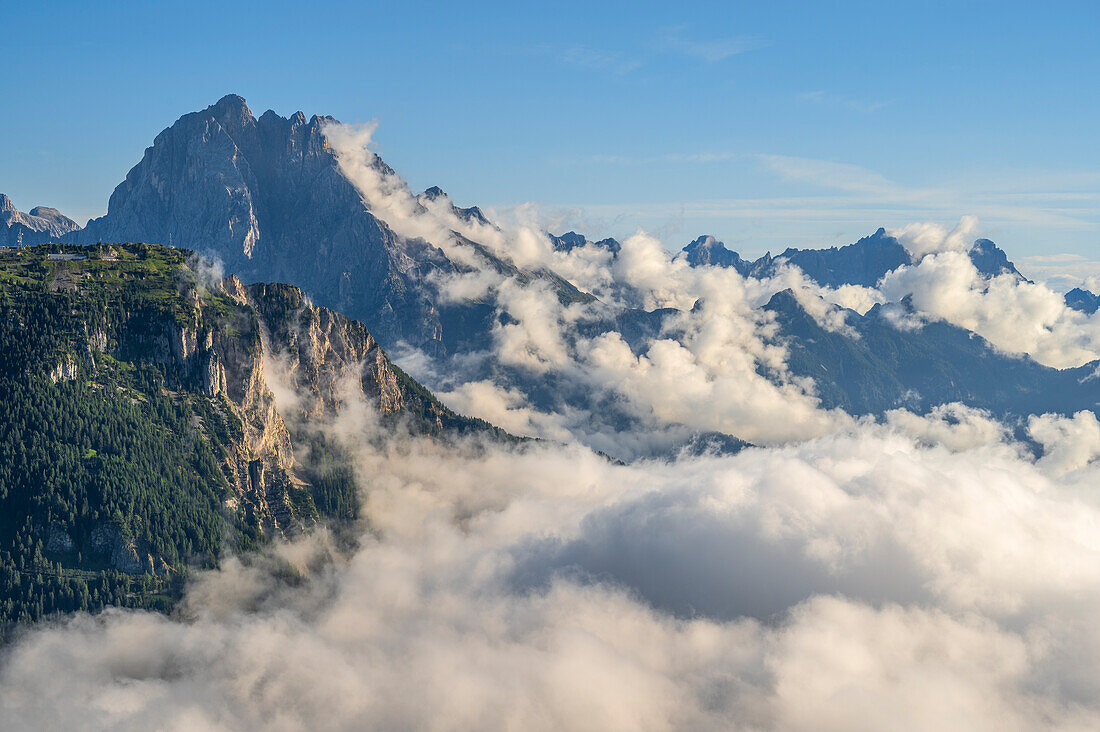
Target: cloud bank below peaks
[712,366]
[858,581]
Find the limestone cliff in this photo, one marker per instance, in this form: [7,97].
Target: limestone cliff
[185,354]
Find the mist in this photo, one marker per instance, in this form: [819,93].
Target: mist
[717,364]
[927,572]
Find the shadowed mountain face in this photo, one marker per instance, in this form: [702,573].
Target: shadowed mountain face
[41,224]
[888,367]
[863,263]
[1083,301]
[991,260]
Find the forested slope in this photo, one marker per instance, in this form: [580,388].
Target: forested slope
[139,436]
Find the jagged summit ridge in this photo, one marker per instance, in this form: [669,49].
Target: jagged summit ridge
[708,250]
[1083,300]
[864,262]
[209,180]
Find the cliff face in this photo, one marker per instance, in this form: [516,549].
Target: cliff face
[223,347]
[142,359]
[324,355]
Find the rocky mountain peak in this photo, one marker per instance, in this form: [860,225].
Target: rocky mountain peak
[991,260]
[570,240]
[221,182]
[1083,300]
[232,111]
[705,242]
[269,199]
[709,250]
[42,224]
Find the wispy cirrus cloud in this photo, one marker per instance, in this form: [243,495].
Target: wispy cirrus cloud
[596,59]
[1020,200]
[1063,271]
[850,201]
[711,50]
[696,157]
[674,41]
[820,96]
[828,174]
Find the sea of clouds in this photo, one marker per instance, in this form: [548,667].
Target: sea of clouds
[916,572]
[876,578]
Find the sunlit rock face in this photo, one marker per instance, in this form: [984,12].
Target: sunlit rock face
[222,353]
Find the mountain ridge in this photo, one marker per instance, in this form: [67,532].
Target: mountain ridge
[269,197]
[863,263]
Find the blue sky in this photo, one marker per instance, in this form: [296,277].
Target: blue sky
[766,124]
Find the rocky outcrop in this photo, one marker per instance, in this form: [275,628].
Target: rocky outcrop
[120,552]
[123,554]
[65,370]
[40,225]
[221,356]
[1083,300]
[326,358]
[58,540]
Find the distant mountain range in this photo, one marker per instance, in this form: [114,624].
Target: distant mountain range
[267,197]
[863,263]
[42,224]
[884,367]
